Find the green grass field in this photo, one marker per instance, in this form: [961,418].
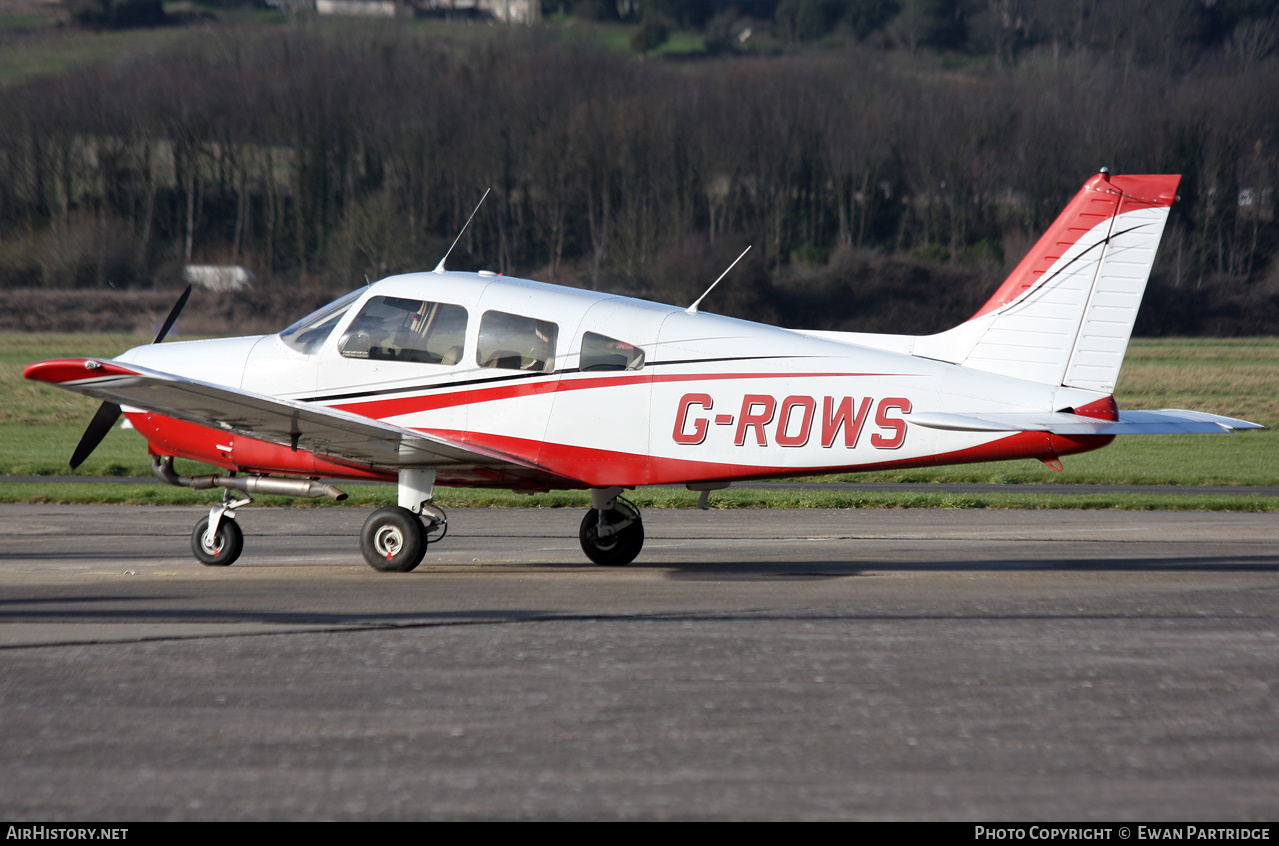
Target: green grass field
[47,48]
[40,425]
[56,50]
[371,496]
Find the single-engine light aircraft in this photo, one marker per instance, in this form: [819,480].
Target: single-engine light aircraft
[480,380]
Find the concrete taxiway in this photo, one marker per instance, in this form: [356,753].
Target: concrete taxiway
[865,664]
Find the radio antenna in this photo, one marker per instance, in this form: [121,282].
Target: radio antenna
[693,308]
[439,268]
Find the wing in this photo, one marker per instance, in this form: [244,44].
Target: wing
[317,429]
[1166,421]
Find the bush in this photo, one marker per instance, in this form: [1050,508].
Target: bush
[118,14]
[651,34]
[809,255]
[931,254]
[986,251]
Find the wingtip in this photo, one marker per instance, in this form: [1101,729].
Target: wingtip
[61,371]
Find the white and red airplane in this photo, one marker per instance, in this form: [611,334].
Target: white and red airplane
[479,380]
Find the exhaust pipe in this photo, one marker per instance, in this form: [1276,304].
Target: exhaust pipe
[163,470]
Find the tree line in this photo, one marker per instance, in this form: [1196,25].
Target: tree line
[874,184]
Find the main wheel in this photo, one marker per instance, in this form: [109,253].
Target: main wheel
[226,546]
[618,549]
[393,540]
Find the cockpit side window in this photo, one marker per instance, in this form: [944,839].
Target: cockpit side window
[398,329]
[600,352]
[515,342]
[309,333]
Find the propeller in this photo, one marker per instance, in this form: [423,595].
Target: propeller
[99,426]
[173,316]
[108,413]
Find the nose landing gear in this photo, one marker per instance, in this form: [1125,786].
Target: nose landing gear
[217,540]
[219,548]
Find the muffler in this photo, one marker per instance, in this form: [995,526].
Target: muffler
[163,469]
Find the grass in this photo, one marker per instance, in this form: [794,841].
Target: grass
[41,47]
[369,496]
[26,20]
[40,425]
[56,50]
[1238,377]
[1240,458]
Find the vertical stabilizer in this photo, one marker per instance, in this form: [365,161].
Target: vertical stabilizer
[1065,314]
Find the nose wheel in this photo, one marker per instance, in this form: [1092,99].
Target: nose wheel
[219,548]
[612,537]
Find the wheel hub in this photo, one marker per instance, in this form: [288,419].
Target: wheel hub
[604,543]
[388,541]
[212,543]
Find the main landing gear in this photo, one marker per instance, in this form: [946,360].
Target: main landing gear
[612,532]
[394,539]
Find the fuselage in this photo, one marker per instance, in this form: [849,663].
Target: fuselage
[597,389]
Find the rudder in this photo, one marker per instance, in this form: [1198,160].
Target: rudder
[1066,312]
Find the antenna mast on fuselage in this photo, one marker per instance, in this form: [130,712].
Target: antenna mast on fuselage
[439,268]
[693,308]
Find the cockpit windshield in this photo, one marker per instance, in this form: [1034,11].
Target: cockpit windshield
[309,333]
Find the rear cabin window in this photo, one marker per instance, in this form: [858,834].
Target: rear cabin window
[398,329]
[515,342]
[600,352]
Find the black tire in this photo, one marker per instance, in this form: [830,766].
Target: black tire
[226,548]
[618,550]
[393,540]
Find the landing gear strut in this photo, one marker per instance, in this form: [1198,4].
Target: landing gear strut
[394,538]
[217,540]
[612,532]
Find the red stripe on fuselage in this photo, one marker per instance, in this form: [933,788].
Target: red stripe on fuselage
[603,468]
[380,409]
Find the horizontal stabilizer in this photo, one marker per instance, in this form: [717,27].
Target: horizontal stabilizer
[1165,421]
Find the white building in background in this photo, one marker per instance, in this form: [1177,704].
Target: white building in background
[356,8]
[514,11]
[218,277]
[507,11]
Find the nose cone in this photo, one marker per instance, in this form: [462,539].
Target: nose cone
[218,361]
